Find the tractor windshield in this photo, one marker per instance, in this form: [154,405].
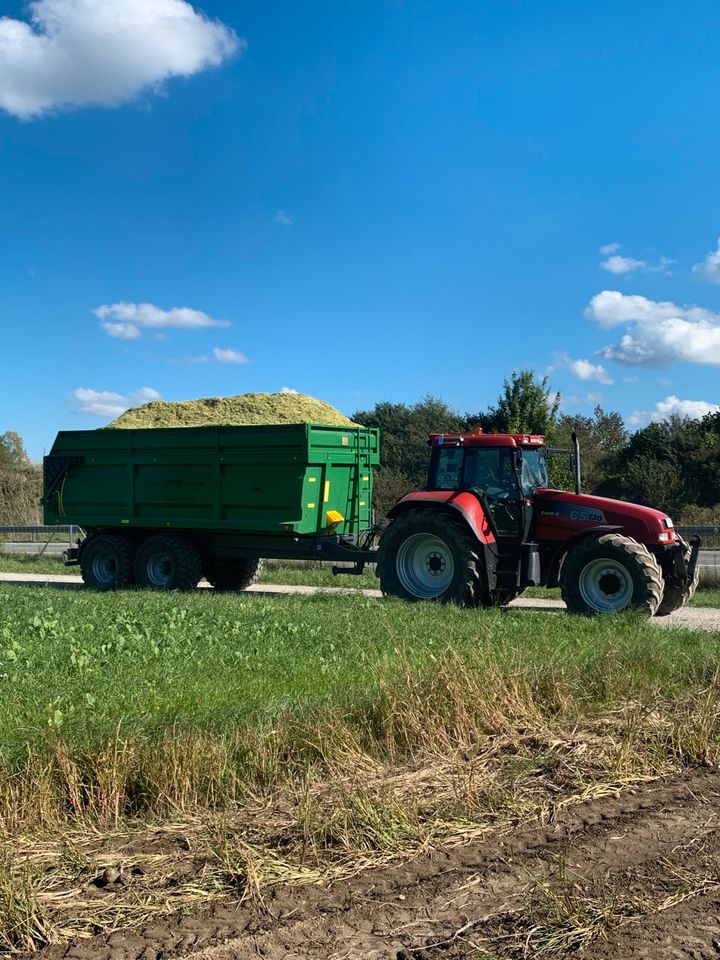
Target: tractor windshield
[534,471]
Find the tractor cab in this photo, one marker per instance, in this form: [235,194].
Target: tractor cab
[503,470]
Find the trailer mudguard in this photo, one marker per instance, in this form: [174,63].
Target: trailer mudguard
[464,503]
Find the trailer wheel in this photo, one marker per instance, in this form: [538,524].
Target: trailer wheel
[234,573]
[675,597]
[609,574]
[106,562]
[168,563]
[426,554]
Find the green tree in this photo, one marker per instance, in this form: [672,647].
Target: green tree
[20,482]
[526,405]
[649,470]
[602,437]
[12,449]
[404,451]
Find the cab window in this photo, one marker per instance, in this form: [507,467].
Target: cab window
[534,471]
[448,471]
[490,470]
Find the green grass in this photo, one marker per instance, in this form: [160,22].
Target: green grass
[333,732]
[75,665]
[26,563]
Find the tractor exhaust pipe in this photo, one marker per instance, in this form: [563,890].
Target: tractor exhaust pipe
[576,461]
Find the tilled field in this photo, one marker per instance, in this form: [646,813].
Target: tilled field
[632,875]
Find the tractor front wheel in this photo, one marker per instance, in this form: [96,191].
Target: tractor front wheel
[676,597]
[609,574]
[426,554]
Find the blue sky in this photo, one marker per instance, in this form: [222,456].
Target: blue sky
[357,199]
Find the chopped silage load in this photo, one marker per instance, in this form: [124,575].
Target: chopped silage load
[246,408]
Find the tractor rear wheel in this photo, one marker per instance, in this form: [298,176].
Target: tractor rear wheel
[426,554]
[106,561]
[675,597]
[233,573]
[609,574]
[168,563]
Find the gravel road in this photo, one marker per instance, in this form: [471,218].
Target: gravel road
[693,618]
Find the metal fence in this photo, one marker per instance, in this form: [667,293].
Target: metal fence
[39,534]
[37,541]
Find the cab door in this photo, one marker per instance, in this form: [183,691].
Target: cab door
[491,473]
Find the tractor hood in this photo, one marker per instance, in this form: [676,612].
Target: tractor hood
[559,513]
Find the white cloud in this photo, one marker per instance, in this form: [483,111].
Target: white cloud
[124,319]
[663,332]
[229,356]
[123,331]
[283,217]
[76,53]
[587,399]
[709,268]
[609,248]
[176,361]
[585,370]
[673,406]
[106,403]
[289,390]
[619,265]
[624,265]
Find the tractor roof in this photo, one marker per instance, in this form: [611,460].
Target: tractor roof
[480,439]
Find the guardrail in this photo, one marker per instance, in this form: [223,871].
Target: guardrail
[39,534]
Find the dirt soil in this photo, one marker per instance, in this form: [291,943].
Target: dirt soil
[634,875]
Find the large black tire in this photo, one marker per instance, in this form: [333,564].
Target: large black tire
[106,561]
[674,597]
[426,554]
[233,573]
[609,574]
[168,563]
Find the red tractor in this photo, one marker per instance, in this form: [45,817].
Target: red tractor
[488,525]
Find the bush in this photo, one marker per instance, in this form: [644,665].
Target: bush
[20,492]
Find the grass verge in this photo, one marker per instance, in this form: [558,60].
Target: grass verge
[305,738]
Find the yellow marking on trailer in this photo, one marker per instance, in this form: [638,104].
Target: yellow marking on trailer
[345,441]
[311,506]
[362,503]
[124,521]
[327,491]
[312,479]
[366,478]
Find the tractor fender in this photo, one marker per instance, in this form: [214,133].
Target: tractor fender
[466,504]
[566,546]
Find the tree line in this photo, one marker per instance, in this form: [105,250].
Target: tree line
[673,465]
[20,483]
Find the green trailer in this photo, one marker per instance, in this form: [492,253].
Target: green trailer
[162,507]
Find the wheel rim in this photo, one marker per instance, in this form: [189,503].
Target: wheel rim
[606,585]
[159,569]
[104,568]
[425,566]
